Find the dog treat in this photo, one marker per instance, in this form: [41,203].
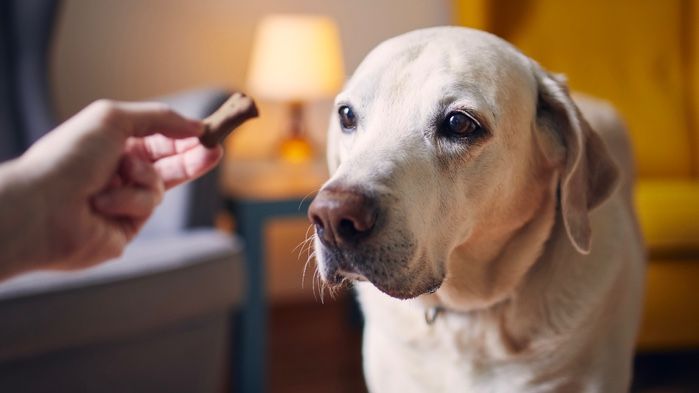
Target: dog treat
[234,112]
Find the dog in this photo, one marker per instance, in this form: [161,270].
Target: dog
[485,219]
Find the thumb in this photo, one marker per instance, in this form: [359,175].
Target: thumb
[146,118]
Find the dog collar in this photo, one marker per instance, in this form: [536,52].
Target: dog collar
[432,313]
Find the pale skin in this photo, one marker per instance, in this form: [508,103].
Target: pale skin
[82,192]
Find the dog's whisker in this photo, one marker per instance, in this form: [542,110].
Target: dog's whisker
[316,279]
[307,239]
[323,285]
[305,267]
[308,230]
[306,246]
[333,292]
[309,246]
[300,246]
[305,249]
[306,197]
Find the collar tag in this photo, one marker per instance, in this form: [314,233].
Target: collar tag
[431,314]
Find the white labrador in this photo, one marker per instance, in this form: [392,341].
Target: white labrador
[465,179]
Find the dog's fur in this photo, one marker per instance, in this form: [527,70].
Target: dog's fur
[525,241]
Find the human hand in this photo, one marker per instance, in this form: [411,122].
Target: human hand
[82,192]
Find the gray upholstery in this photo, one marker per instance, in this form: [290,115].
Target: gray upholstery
[33,28]
[185,357]
[9,139]
[155,320]
[61,331]
[25,32]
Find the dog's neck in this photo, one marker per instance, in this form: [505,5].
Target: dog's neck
[483,283]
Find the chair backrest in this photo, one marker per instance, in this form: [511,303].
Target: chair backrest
[26,28]
[10,142]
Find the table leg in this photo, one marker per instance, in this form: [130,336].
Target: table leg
[251,323]
[250,331]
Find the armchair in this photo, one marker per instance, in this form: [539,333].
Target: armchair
[156,319]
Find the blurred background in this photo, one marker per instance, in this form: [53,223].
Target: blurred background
[243,320]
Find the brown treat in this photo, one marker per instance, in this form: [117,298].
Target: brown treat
[234,112]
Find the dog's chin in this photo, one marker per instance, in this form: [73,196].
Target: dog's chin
[337,277]
[408,293]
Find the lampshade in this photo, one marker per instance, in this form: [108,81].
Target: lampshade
[296,58]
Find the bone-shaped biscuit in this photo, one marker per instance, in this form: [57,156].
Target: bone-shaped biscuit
[234,112]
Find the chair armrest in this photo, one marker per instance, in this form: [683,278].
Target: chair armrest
[155,282]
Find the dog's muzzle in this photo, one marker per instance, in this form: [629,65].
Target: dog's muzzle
[343,217]
[355,244]
[345,220]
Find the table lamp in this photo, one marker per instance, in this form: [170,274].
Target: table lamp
[295,59]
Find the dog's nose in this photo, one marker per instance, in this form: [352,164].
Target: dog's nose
[343,216]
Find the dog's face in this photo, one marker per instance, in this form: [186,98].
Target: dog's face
[437,156]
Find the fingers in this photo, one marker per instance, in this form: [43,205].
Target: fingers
[160,146]
[187,165]
[145,118]
[150,118]
[129,201]
[137,193]
[155,147]
[114,182]
[175,149]
[135,171]
[176,160]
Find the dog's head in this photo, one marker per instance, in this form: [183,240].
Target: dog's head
[445,144]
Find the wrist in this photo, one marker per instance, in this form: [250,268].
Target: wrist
[20,226]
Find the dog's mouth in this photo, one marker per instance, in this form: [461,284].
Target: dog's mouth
[341,275]
[337,268]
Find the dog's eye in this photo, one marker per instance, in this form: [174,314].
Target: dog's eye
[348,120]
[459,124]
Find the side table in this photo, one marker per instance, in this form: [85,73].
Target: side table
[257,191]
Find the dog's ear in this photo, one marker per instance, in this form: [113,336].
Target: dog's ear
[588,174]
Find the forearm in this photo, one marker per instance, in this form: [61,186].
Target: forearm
[20,221]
